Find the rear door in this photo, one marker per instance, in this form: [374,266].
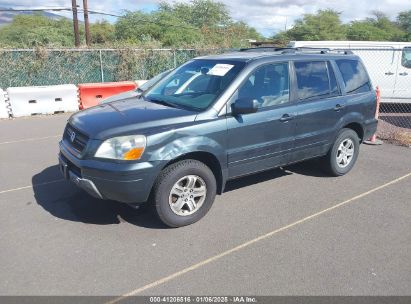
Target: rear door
[258,141]
[320,106]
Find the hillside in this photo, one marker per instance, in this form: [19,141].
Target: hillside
[7,17]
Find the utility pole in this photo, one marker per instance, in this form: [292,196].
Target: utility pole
[86,22]
[75,23]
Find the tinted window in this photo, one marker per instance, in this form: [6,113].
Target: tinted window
[355,77]
[406,57]
[312,80]
[268,84]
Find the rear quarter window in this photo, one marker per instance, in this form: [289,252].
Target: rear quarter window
[354,75]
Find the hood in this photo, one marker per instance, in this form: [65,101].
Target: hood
[124,95]
[126,116]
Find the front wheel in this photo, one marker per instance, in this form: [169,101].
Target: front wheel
[343,153]
[184,192]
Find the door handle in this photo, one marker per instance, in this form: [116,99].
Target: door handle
[287,117]
[338,107]
[403,74]
[389,73]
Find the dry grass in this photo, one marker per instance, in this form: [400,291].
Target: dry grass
[403,138]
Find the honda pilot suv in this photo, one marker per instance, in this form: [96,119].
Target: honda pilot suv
[217,118]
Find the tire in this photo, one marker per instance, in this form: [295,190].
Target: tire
[177,193]
[335,162]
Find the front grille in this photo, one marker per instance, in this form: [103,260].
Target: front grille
[75,138]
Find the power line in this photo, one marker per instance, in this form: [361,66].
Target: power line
[41,9]
[95,12]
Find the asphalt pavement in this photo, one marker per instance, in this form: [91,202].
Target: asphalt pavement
[290,231]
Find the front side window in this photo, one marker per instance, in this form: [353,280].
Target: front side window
[268,84]
[312,80]
[196,84]
[406,57]
[354,75]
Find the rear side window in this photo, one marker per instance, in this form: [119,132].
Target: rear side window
[313,80]
[354,75]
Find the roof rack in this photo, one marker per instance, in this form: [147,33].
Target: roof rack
[294,50]
[265,49]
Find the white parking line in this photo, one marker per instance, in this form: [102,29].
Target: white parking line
[249,243]
[32,186]
[28,139]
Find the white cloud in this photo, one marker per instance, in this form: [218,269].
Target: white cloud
[268,16]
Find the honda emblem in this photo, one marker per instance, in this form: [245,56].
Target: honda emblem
[72,136]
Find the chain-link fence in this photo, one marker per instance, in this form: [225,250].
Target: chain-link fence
[52,66]
[390,70]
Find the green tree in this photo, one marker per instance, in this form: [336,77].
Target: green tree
[102,32]
[379,28]
[404,22]
[199,23]
[199,13]
[138,27]
[37,30]
[324,25]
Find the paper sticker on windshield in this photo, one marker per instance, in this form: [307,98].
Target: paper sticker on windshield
[220,69]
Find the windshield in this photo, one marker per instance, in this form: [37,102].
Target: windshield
[152,81]
[195,85]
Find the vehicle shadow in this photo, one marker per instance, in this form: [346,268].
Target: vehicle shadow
[254,179]
[308,168]
[312,167]
[66,201]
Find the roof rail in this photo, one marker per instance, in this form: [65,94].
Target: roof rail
[306,50]
[264,49]
[294,50]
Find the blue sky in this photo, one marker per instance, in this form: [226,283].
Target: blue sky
[268,16]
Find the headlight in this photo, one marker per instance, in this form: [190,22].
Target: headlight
[124,147]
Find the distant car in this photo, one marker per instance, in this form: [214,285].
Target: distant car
[137,92]
[217,118]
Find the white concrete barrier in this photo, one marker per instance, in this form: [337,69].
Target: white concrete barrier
[4,109]
[26,101]
[140,82]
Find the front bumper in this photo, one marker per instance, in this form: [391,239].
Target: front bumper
[123,182]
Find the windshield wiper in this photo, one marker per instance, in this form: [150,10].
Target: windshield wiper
[162,102]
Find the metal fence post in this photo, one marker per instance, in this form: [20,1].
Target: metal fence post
[175,59]
[101,67]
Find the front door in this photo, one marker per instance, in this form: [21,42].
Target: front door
[261,140]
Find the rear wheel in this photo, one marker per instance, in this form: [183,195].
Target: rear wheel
[184,192]
[343,154]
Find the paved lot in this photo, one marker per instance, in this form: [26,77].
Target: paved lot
[283,232]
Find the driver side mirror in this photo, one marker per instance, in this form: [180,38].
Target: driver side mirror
[244,106]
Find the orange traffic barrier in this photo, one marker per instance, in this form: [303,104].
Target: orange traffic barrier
[92,93]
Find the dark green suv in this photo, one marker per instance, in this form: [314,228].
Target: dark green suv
[217,118]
